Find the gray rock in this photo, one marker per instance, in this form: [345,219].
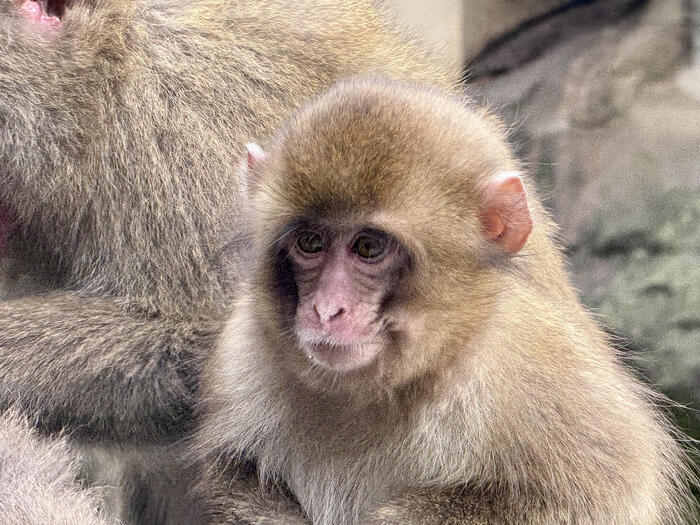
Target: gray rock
[608,116]
[653,296]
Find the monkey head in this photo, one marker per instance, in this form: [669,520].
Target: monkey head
[383,215]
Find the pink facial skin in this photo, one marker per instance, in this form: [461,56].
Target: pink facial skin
[35,12]
[338,317]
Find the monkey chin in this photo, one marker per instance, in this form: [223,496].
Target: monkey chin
[341,357]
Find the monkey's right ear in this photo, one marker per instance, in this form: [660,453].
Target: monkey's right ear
[506,215]
[254,155]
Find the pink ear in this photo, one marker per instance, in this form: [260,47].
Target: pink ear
[506,215]
[254,154]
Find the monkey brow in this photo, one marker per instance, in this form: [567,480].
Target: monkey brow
[302,224]
[279,242]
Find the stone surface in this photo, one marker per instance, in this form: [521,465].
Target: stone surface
[652,293]
[608,119]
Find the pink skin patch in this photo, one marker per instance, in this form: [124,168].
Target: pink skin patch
[6,227]
[338,320]
[36,13]
[506,217]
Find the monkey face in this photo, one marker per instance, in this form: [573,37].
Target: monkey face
[342,281]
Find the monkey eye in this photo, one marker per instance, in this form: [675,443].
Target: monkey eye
[370,246]
[310,242]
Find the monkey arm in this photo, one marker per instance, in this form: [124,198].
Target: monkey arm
[37,480]
[101,372]
[431,508]
[457,507]
[233,496]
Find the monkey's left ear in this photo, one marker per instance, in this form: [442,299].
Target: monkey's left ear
[506,216]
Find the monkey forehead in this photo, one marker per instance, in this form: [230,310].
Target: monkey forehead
[394,116]
[373,145]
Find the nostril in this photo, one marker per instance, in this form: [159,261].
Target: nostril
[328,314]
[337,314]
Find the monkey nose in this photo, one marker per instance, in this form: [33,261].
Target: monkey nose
[326,314]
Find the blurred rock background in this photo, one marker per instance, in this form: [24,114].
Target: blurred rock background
[603,97]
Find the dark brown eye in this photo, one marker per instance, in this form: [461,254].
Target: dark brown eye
[370,246]
[310,242]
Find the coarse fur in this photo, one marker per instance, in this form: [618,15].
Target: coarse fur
[119,127]
[497,400]
[38,480]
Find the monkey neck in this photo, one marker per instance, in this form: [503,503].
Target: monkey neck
[331,451]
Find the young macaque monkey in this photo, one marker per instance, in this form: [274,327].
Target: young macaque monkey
[408,349]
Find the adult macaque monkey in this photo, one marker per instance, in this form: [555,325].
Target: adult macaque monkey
[408,348]
[118,121]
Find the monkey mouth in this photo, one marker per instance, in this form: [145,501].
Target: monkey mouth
[341,356]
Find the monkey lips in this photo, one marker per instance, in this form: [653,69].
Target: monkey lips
[341,357]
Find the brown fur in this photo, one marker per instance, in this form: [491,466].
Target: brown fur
[500,400]
[118,133]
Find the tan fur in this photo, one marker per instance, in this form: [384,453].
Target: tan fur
[501,402]
[38,480]
[118,136]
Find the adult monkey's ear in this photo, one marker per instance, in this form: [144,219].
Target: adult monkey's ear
[505,214]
